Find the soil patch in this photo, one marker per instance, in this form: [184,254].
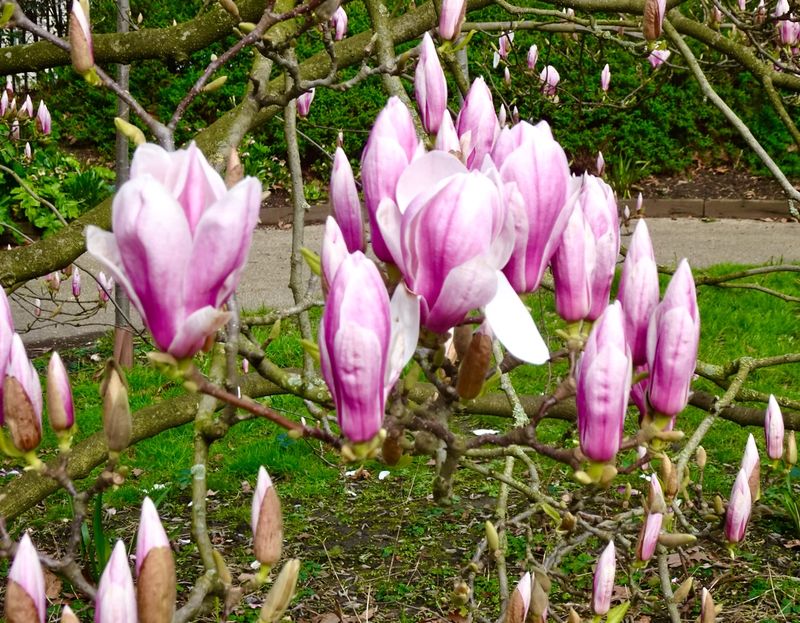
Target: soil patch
[712,183]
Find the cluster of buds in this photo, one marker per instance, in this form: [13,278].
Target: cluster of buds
[658,340]
[117,600]
[18,116]
[22,400]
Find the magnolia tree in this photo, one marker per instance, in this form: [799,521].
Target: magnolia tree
[423,318]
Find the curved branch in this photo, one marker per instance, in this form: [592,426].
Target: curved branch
[175,43]
[31,488]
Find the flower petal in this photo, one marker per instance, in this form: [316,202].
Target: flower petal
[192,333]
[513,325]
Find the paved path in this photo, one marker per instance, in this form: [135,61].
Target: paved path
[266,276]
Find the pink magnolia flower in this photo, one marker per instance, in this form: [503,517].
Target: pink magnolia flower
[520,601]
[303,102]
[80,39]
[105,287]
[658,57]
[391,146]
[3,103]
[648,538]
[116,598]
[672,339]
[430,86]
[356,345]
[339,23]
[451,18]
[541,200]
[345,202]
[76,282]
[751,464]
[739,507]
[773,429]
[22,403]
[533,56]
[179,245]
[638,291]
[27,107]
[477,124]
[60,408]
[549,79]
[43,121]
[26,579]
[603,586]
[603,387]
[27,152]
[583,266]
[605,78]
[450,235]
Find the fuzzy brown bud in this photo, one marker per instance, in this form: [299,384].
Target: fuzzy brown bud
[267,521]
[391,451]
[117,422]
[462,338]
[791,448]
[24,425]
[155,587]
[474,366]
[568,522]
[573,617]
[80,38]
[234,171]
[19,605]
[669,477]
[700,457]
[651,26]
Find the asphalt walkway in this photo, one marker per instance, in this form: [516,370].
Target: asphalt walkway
[265,280]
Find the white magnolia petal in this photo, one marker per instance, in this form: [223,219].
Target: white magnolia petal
[404,308]
[513,325]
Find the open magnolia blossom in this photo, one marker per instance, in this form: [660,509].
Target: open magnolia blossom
[180,243]
[450,233]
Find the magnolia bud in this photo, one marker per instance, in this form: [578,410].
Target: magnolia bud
[25,591]
[462,338]
[281,593]
[653,18]
[22,399]
[231,8]
[519,602]
[719,506]
[130,131]
[60,410]
[492,538]
[474,366]
[391,451]
[234,172]
[669,476]
[539,602]
[215,84]
[155,569]
[708,612]
[573,617]
[80,38]
[791,448]
[117,423]
[680,595]
[266,521]
[700,457]
[568,522]
[68,616]
[676,539]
